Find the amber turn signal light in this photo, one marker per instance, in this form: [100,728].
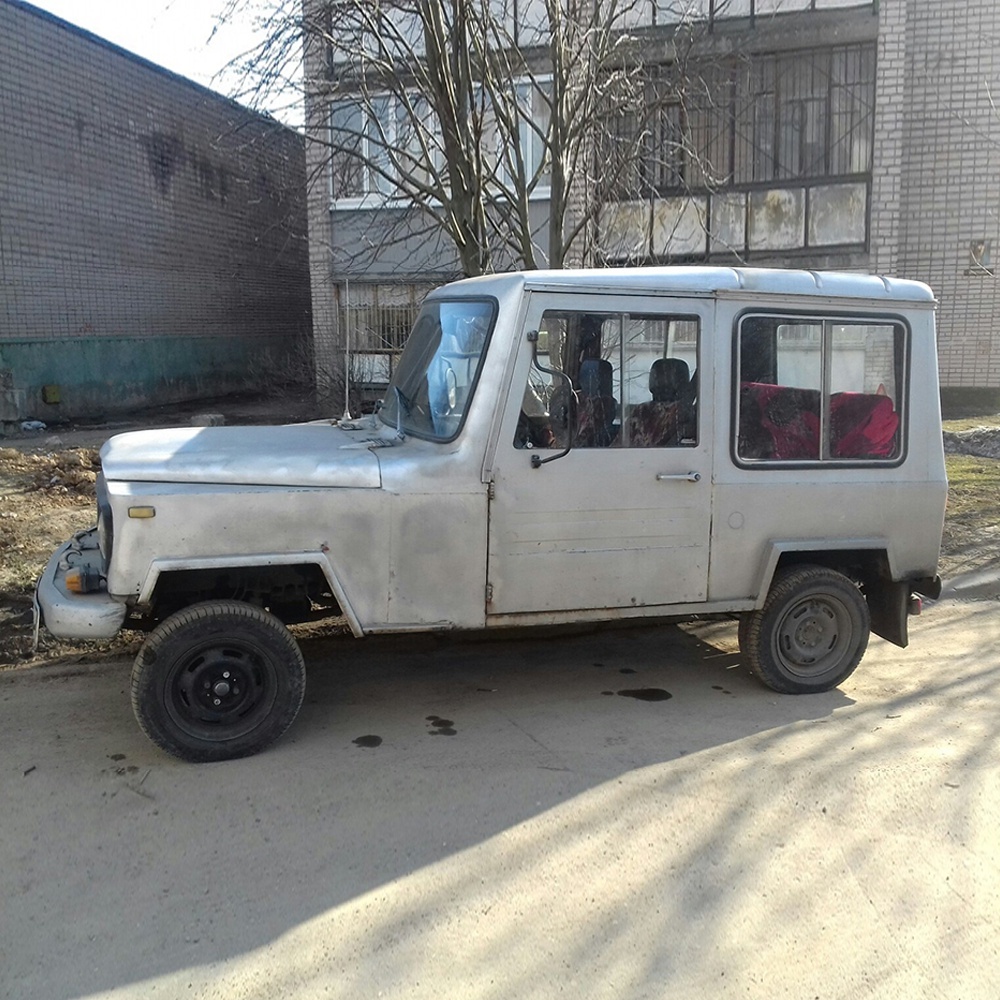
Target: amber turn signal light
[83,580]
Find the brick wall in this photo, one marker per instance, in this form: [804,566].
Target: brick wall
[152,233]
[950,194]
[887,158]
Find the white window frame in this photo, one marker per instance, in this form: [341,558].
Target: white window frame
[372,197]
[523,90]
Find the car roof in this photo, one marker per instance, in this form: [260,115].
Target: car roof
[684,279]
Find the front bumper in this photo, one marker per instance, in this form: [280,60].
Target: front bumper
[76,616]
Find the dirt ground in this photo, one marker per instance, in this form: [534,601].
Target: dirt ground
[47,492]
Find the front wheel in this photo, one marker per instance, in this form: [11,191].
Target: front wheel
[217,680]
[810,634]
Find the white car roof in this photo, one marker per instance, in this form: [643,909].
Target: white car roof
[707,280]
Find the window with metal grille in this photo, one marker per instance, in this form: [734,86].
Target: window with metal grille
[806,115]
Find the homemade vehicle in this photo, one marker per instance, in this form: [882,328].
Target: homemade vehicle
[554,447]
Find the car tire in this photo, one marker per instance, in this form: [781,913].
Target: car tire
[810,634]
[217,680]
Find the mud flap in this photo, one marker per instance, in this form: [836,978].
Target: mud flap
[888,604]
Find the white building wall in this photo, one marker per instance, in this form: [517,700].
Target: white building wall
[950,178]
[887,152]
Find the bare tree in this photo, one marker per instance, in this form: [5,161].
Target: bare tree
[470,113]
[483,135]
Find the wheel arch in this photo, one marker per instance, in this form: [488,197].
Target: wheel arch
[858,558]
[867,562]
[166,578]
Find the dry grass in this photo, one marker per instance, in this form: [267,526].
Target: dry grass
[969,423]
[973,486]
[972,523]
[44,497]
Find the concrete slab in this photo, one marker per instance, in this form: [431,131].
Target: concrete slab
[568,840]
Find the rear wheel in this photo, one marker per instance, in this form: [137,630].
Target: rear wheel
[810,634]
[217,680]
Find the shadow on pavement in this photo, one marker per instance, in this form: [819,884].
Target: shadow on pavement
[423,782]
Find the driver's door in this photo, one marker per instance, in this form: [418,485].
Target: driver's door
[621,519]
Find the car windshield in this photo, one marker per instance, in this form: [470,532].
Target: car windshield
[432,386]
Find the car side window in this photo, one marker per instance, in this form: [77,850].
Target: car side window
[611,380]
[660,360]
[818,390]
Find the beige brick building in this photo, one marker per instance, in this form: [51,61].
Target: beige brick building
[936,214]
[834,134]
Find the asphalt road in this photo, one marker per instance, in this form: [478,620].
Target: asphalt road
[524,828]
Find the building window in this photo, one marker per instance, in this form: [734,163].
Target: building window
[810,115]
[806,116]
[348,151]
[375,141]
[534,103]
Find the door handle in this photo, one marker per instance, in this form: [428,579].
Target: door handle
[690,477]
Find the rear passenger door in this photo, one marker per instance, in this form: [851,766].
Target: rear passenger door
[602,475]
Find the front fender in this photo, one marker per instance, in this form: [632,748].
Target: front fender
[158,567]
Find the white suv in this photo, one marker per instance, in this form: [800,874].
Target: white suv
[555,447]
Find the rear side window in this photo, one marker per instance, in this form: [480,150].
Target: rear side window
[815,389]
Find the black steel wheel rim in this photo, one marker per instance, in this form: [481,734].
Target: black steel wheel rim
[221,690]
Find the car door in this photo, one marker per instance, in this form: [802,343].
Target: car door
[601,481]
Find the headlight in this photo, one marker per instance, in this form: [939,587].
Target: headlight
[105,523]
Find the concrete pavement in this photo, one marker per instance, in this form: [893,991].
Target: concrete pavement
[566,840]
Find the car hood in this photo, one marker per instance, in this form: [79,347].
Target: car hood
[294,455]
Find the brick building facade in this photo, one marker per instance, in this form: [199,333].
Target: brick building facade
[947,79]
[857,135]
[152,233]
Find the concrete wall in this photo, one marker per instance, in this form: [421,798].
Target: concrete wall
[152,233]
